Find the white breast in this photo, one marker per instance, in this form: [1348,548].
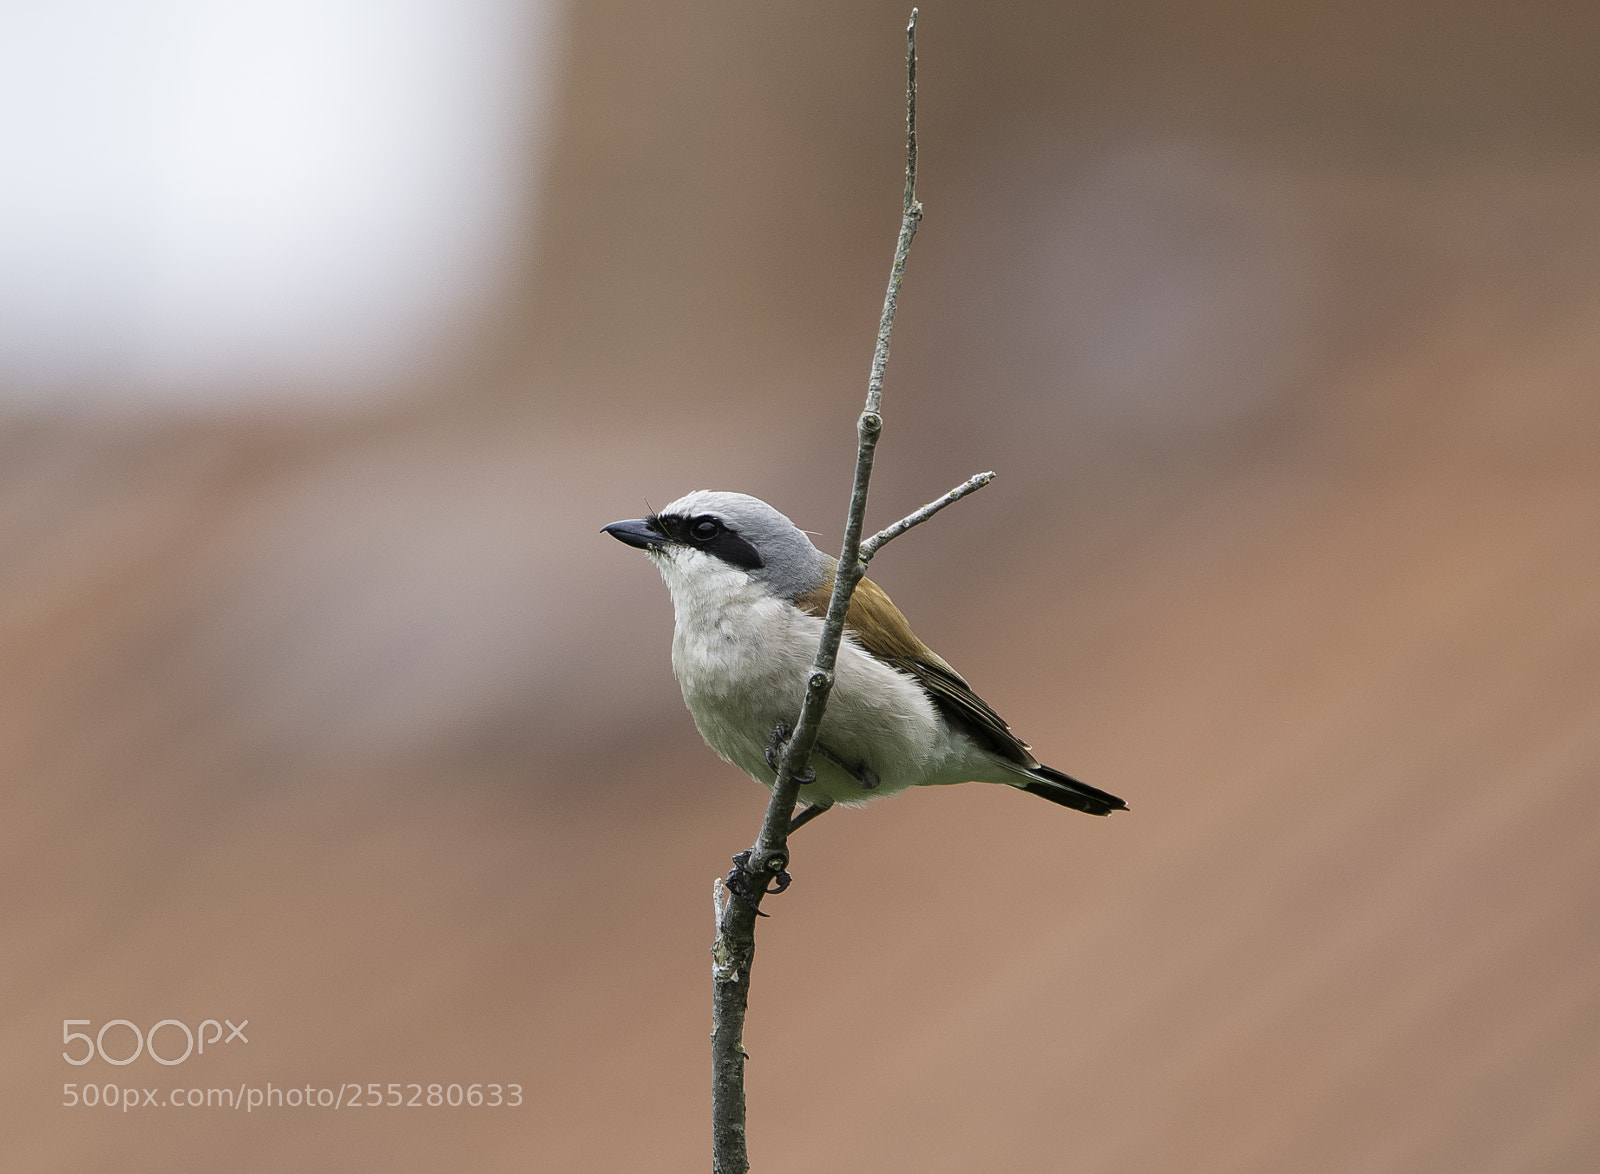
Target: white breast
[742,657]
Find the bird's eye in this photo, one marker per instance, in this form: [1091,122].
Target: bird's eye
[705,529]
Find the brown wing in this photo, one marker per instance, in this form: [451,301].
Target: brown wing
[880,628]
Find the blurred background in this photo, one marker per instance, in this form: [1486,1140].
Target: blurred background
[332,331]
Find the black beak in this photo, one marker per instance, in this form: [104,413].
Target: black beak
[636,532]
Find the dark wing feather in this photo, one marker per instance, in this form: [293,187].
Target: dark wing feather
[876,624]
[964,709]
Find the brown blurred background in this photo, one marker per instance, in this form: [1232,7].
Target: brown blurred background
[326,706]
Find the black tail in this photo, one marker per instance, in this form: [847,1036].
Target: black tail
[1069,792]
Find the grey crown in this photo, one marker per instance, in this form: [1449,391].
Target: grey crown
[791,565]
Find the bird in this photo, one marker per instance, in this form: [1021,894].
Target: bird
[749,592]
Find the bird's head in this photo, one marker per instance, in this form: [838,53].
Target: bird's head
[732,530]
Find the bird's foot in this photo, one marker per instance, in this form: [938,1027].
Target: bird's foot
[775,745]
[741,875]
[808,814]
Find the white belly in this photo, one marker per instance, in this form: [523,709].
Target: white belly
[742,658]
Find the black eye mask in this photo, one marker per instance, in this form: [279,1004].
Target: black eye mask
[708,533]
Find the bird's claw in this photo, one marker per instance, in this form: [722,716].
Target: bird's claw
[775,745]
[738,884]
[780,735]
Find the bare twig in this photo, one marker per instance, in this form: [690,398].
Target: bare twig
[734,949]
[889,533]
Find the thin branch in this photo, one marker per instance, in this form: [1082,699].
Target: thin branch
[872,545]
[734,949]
